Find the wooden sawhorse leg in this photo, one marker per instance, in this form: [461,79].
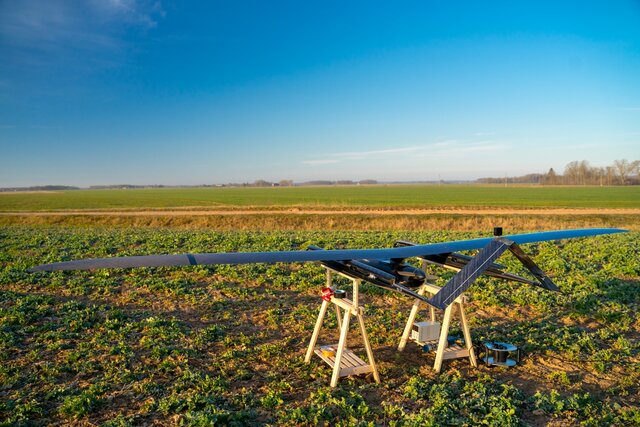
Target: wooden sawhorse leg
[467,337]
[316,331]
[341,345]
[367,347]
[412,318]
[444,335]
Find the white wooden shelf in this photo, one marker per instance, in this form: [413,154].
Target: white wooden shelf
[350,364]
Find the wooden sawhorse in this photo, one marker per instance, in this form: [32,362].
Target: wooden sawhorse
[344,362]
[443,351]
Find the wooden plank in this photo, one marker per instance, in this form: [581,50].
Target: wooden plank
[433,343]
[357,361]
[341,346]
[316,331]
[356,291]
[467,337]
[356,370]
[351,360]
[355,365]
[345,304]
[347,360]
[328,360]
[442,342]
[456,354]
[367,346]
[410,320]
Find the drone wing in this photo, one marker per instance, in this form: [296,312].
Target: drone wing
[316,255]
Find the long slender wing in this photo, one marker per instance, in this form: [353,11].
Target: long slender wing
[320,255]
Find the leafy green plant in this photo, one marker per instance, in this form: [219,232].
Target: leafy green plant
[221,344]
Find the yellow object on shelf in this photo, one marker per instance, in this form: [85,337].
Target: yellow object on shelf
[328,351]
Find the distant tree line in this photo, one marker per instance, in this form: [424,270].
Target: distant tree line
[123,186]
[621,172]
[290,183]
[41,188]
[257,183]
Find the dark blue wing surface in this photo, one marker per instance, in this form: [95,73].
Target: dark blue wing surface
[319,255]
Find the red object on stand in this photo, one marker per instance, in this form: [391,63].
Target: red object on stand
[327,294]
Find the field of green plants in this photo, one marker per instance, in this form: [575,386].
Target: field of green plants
[225,345]
[372,196]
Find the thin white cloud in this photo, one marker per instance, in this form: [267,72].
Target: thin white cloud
[635,109]
[479,147]
[455,149]
[320,161]
[445,143]
[363,154]
[360,155]
[61,27]
[136,12]
[578,146]
[451,147]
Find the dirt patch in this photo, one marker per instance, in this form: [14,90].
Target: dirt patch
[333,211]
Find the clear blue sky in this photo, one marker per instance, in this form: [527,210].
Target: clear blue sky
[181,92]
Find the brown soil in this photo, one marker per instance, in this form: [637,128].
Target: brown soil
[333,211]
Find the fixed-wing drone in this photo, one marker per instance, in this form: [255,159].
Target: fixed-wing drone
[386,267]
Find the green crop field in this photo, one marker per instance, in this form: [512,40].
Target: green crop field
[375,196]
[225,345]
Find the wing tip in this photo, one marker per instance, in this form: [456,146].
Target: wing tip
[601,231]
[42,267]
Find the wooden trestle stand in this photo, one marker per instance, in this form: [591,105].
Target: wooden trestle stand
[344,362]
[444,351]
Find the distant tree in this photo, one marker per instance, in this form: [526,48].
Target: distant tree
[584,172]
[318,182]
[610,173]
[635,169]
[572,172]
[551,178]
[599,176]
[286,183]
[622,172]
[262,183]
[624,168]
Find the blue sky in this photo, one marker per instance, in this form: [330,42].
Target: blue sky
[143,92]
